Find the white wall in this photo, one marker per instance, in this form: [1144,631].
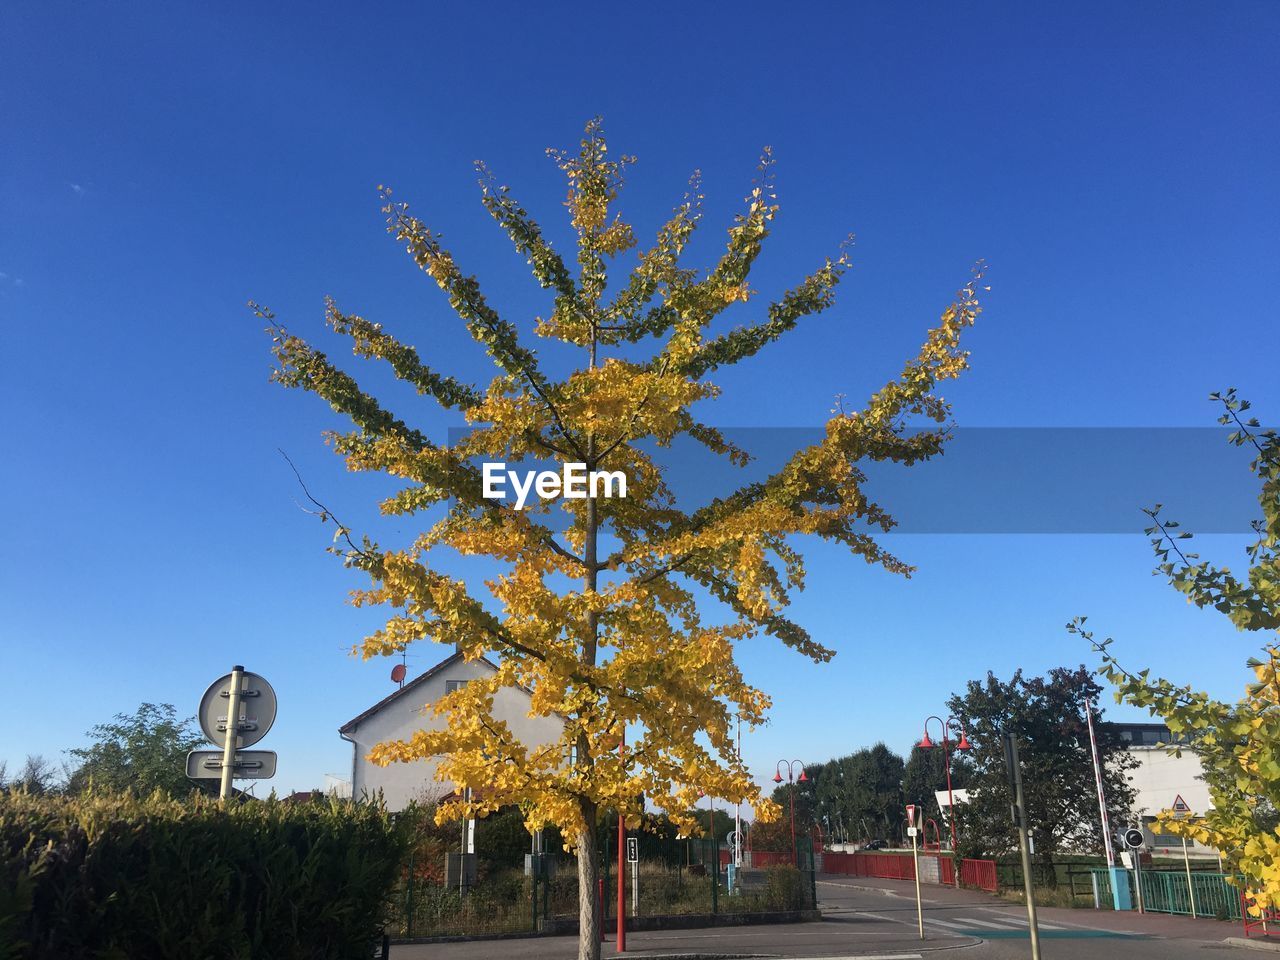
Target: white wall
[1158,780]
[401,783]
[1160,777]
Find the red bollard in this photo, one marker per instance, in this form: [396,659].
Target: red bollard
[600,907]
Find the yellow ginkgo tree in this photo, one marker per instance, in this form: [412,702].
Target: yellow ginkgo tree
[1238,743]
[614,612]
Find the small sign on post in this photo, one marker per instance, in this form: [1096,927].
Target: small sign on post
[1181,810]
[247,764]
[633,858]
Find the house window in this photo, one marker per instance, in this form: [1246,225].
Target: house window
[451,685]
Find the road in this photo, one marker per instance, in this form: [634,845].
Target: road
[877,919]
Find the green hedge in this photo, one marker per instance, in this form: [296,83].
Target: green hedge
[108,877]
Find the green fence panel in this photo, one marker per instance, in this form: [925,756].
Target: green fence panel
[1167,891]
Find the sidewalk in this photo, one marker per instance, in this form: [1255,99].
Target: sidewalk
[1164,925]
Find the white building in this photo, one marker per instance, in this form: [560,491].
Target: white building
[403,713]
[1160,779]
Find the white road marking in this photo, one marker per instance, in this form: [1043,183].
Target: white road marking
[1023,922]
[945,923]
[988,923]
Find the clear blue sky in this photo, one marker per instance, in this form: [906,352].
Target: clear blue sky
[160,165]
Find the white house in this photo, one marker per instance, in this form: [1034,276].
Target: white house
[401,714]
[1160,779]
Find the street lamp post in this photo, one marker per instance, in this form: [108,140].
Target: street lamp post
[792,780]
[962,744]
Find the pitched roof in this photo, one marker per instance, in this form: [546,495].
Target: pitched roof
[416,681]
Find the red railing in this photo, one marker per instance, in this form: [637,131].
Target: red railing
[946,870]
[980,874]
[889,866]
[1258,921]
[899,866]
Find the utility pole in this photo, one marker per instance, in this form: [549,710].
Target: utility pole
[1119,884]
[737,816]
[622,852]
[1024,847]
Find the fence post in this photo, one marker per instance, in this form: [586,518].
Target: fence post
[408,898]
[533,890]
[715,875]
[813,876]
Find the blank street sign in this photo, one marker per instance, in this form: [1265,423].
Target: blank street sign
[249,765]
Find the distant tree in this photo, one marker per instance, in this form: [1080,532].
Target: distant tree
[1238,743]
[1047,716]
[720,823]
[502,839]
[873,791]
[36,776]
[774,836]
[859,796]
[138,753]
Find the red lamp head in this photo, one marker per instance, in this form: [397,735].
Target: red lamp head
[803,778]
[925,742]
[964,743]
[777,777]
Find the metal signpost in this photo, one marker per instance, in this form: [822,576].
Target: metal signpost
[734,869]
[235,712]
[913,830]
[633,858]
[1183,809]
[1024,846]
[1134,839]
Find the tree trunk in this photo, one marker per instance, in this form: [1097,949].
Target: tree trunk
[589,919]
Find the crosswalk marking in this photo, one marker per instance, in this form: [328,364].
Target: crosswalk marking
[1022,922]
[997,922]
[944,923]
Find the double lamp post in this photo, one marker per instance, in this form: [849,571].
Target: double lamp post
[962,744]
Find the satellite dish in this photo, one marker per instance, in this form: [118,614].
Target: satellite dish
[397,673]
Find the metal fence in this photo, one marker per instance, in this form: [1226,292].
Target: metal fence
[507,902]
[1204,894]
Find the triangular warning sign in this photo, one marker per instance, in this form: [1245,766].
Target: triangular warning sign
[911,814]
[1180,805]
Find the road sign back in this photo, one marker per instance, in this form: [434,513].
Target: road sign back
[257,709]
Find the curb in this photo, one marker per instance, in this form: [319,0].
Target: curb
[1252,944]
